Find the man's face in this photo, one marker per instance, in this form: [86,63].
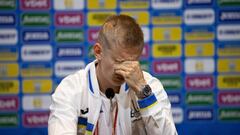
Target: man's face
[117,55]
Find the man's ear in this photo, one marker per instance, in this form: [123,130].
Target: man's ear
[97,49]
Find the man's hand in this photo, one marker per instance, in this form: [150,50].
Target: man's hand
[132,73]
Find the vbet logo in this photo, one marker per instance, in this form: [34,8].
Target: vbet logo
[9,103]
[35,119]
[167,4]
[93,34]
[69,19]
[64,68]
[167,66]
[199,82]
[35,4]
[36,52]
[36,36]
[7,19]
[228,32]
[199,16]
[8,36]
[229,98]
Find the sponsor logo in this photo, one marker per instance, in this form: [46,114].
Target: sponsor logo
[199,114]
[36,36]
[90,52]
[199,49]
[229,114]
[69,52]
[196,65]
[9,87]
[167,4]
[36,102]
[68,4]
[93,34]
[174,98]
[228,65]
[69,35]
[145,52]
[36,52]
[9,120]
[177,114]
[167,50]
[199,16]
[199,33]
[35,4]
[8,53]
[167,67]
[37,86]
[200,98]
[9,70]
[35,19]
[142,17]
[7,4]
[144,65]
[36,69]
[101,4]
[228,32]
[199,2]
[171,82]
[9,103]
[8,36]
[166,18]
[146,34]
[98,18]
[35,119]
[134,4]
[7,19]
[228,49]
[229,16]
[167,34]
[199,82]
[229,98]
[228,81]
[228,2]
[64,68]
[69,19]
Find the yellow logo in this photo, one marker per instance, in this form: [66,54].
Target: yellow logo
[167,34]
[228,65]
[229,51]
[101,4]
[199,49]
[166,50]
[228,82]
[9,70]
[141,17]
[135,4]
[37,86]
[199,35]
[9,86]
[98,18]
[167,20]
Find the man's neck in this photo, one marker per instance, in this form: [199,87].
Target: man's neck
[102,82]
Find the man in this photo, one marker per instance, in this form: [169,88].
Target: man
[135,102]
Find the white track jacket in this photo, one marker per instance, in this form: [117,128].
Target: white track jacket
[77,104]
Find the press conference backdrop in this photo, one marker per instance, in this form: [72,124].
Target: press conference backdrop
[192,46]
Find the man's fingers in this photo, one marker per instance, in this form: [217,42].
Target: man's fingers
[121,72]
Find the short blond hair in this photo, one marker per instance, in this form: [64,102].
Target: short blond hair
[121,30]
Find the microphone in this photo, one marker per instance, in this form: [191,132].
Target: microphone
[110,95]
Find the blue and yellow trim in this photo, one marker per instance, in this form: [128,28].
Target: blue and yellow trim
[90,82]
[147,102]
[89,128]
